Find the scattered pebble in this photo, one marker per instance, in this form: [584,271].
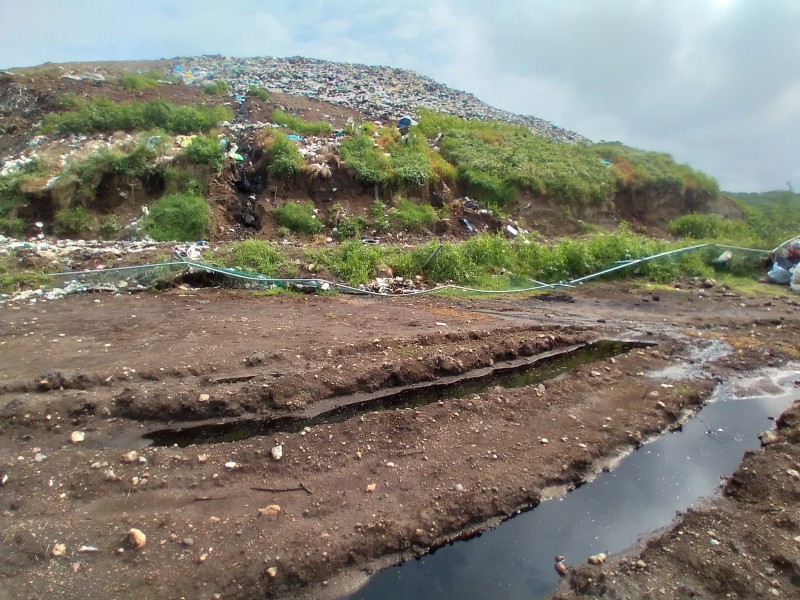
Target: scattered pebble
[269,511]
[137,538]
[372,487]
[59,550]
[77,436]
[277,452]
[272,571]
[597,559]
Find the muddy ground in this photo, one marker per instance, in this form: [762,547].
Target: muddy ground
[346,497]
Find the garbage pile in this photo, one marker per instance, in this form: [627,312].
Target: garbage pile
[393,285]
[785,261]
[378,91]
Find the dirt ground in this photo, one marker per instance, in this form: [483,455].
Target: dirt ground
[85,378]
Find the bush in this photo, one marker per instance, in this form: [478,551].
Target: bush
[206,151]
[283,158]
[178,217]
[353,261]
[412,217]
[12,226]
[349,228]
[102,115]
[298,217]
[379,219]
[110,227]
[73,221]
[300,126]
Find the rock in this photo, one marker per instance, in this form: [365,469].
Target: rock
[231,465]
[111,476]
[595,374]
[544,441]
[88,549]
[660,404]
[793,473]
[214,520]
[560,558]
[561,569]
[188,542]
[709,283]
[277,452]
[640,564]
[202,458]
[59,550]
[372,487]
[767,438]
[269,511]
[39,457]
[272,571]
[77,436]
[137,538]
[459,487]
[130,457]
[597,559]
[204,398]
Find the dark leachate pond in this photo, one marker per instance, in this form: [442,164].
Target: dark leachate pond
[609,514]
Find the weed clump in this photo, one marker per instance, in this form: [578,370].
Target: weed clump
[261,257]
[412,217]
[138,81]
[178,217]
[205,150]
[298,217]
[283,158]
[75,220]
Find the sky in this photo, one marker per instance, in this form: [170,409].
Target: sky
[715,83]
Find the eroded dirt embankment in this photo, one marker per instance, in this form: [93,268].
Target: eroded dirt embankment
[342,496]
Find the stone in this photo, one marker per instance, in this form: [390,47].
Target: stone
[137,538]
[188,542]
[130,457]
[793,473]
[277,452]
[272,571]
[269,511]
[459,487]
[372,487]
[214,520]
[767,438]
[544,441]
[561,569]
[597,559]
[77,437]
[640,564]
[231,465]
[59,550]
[204,398]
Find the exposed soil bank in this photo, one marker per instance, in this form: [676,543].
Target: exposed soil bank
[386,484]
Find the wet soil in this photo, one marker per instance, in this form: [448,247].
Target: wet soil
[345,498]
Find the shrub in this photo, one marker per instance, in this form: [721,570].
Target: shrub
[353,261]
[379,219]
[102,114]
[412,217]
[298,217]
[110,227]
[178,217]
[349,228]
[300,126]
[206,151]
[75,220]
[283,158]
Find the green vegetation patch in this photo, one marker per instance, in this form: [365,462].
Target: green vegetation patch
[259,93]
[103,114]
[260,257]
[178,217]
[206,150]
[216,88]
[300,126]
[138,81]
[413,217]
[639,169]
[298,217]
[283,157]
[73,221]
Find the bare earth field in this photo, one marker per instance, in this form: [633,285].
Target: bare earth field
[342,498]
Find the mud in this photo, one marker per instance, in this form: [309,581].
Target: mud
[368,491]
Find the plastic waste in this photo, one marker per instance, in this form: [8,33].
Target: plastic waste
[795,283]
[779,275]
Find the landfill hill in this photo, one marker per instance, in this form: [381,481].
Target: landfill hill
[73,166]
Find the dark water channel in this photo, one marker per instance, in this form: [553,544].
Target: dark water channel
[525,373]
[609,514]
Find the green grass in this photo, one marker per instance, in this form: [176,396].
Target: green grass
[178,217]
[12,227]
[103,115]
[349,228]
[259,93]
[206,150]
[300,126]
[260,257]
[298,218]
[138,81]
[496,161]
[369,164]
[216,88]
[352,262]
[412,217]
[283,158]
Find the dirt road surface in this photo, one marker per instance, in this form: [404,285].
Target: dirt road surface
[85,379]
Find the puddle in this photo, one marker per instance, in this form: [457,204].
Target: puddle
[514,375]
[609,514]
